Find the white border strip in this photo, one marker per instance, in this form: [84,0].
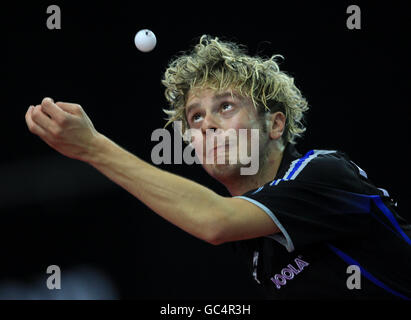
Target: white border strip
[284,238]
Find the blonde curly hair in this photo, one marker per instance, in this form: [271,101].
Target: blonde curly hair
[223,65]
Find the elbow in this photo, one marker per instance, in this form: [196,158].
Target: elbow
[216,227]
[214,234]
[214,241]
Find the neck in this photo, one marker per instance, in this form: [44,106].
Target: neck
[268,168]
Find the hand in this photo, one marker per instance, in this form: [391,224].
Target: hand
[63,126]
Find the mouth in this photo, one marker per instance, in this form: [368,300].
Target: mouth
[220,147]
[213,153]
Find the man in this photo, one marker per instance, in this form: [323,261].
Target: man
[310,226]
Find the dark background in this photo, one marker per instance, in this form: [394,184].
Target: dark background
[59,211]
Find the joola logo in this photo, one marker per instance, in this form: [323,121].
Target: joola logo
[289,272]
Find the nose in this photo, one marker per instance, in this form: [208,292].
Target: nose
[209,123]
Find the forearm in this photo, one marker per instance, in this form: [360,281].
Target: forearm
[184,203]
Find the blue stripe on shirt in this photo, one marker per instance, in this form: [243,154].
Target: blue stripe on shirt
[365,273]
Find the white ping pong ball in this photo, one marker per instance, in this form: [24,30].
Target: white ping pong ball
[145,40]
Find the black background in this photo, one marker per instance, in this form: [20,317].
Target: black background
[58,211]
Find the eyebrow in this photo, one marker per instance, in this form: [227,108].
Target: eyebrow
[216,97]
[191,106]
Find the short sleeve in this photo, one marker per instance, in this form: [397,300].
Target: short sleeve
[319,206]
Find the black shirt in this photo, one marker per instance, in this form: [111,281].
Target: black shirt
[340,238]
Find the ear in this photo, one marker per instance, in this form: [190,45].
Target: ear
[277,125]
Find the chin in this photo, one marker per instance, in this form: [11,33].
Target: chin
[222,172]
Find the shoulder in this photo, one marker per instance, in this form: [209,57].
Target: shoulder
[326,167]
[319,161]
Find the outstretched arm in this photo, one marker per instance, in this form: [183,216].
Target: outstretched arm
[188,205]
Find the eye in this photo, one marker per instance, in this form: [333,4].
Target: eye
[196,118]
[227,107]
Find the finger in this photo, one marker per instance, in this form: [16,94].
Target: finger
[42,120]
[70,107]
[50,108]
[33,127]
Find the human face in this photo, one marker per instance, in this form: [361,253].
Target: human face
[218,113]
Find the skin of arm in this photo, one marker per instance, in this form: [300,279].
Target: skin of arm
[188,205]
